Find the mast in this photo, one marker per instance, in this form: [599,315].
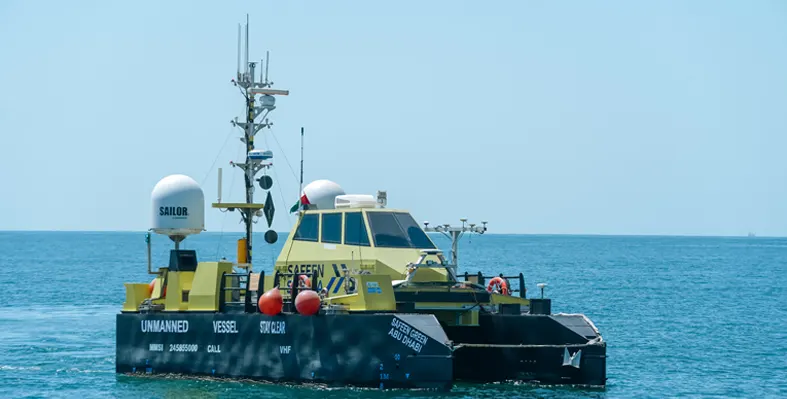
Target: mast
[454,234]
[256,160]
[300,189]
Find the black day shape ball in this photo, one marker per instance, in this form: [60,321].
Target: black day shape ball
[271,236]
[266,182]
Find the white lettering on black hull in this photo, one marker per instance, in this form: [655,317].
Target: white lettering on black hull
[164,326]
[408,336]
[183,347]
[225,327]
[272,327]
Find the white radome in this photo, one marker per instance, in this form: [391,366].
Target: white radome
[178,206]
[322,194]
[356,201]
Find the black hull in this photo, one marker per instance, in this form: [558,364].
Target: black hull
[535,348]
[359,350]
[542,365]
[365,350]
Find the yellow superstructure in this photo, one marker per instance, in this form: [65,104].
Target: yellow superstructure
[334,243]
[359,259]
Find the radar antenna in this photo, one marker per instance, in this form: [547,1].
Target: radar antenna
[455,233]
[256,160]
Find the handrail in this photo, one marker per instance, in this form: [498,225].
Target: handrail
[295,289]
[520,277]
[243,278]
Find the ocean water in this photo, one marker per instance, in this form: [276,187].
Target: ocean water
[683,316]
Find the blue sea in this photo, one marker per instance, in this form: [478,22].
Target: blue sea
[683,316]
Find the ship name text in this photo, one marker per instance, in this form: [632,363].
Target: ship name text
[407,335]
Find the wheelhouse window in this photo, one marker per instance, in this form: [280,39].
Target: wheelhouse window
[332,228]
[397,230]
[308,228]
[355,229]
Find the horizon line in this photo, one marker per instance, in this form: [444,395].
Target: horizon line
[487,233]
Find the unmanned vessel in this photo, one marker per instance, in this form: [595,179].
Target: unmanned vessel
[359,296]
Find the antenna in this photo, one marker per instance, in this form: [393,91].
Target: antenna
[239,52]
[246,59]
[267,61]
[301,187]
[219,200]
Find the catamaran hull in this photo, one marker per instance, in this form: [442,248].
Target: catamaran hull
[365,350]
[544,365]
[547,349]
[370,350]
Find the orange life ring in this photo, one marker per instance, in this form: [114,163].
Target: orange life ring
[152,286]
[498,281]
[304,281]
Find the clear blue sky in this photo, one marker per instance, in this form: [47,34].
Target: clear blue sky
[660,117]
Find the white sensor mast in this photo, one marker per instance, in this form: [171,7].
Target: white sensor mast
[455,233]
